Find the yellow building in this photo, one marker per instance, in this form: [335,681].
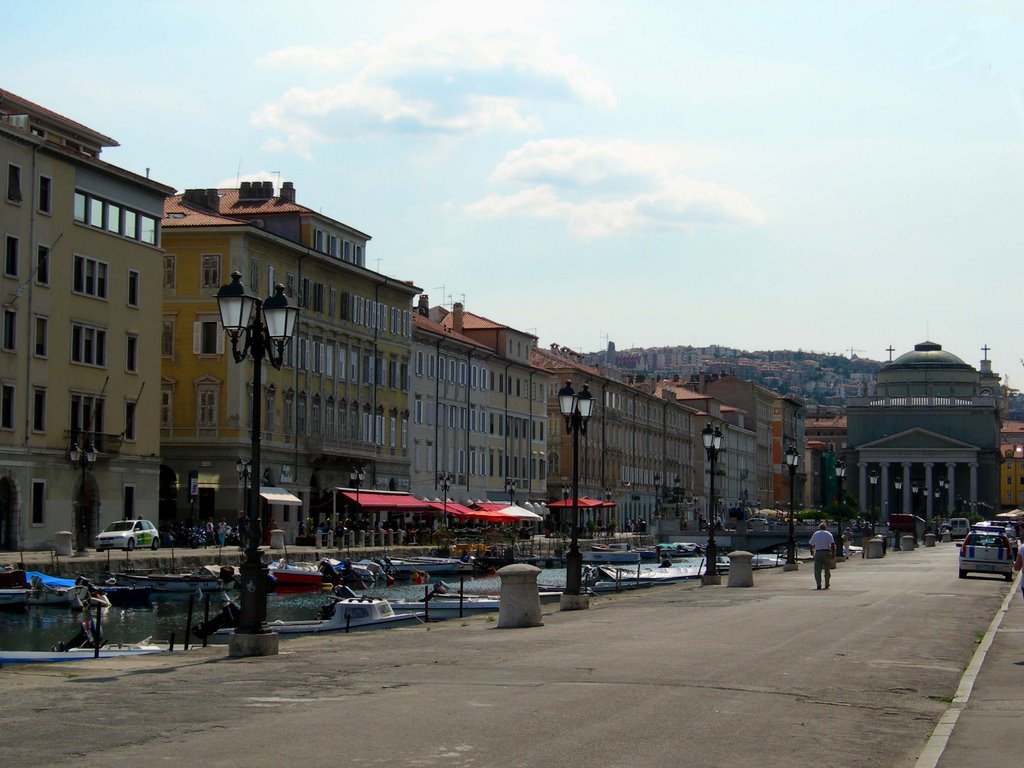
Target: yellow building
[1011,477]
[79,367]
[340,400]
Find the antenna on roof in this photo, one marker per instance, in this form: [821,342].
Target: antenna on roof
[278,178]
[238,173]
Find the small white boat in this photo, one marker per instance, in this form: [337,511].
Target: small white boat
[14,598]
[76,596]
[205,578]
[80,654]
[432,566]
[348,614]
[611,556]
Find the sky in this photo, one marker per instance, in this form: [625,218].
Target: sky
[828,176]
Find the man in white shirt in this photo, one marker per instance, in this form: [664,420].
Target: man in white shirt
[823,548]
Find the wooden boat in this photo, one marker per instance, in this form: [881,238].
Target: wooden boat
[206,579]
[348,614]
[432,566]
[63,593]
[79,654]
[295,576]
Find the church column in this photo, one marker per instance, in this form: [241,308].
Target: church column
[883,510]
[951,488]
[928,495]
[862,486]
[908,493]
[974,487]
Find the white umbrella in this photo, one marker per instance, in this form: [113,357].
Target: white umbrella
[519,513]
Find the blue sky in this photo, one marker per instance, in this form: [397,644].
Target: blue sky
[815,175]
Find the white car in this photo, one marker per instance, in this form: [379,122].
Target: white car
[128,534]
[986,552]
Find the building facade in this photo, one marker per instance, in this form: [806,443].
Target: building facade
[78,366]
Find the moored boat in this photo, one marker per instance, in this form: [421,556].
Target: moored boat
[611,556]
[13,598]
[205,578]
[432,566]
[295,576]
[79,654]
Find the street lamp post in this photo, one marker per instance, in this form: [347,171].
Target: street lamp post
[84,460]
[577,408]
[840,477]
[712,445]
[445,483]
[657,495]
[244,469]
[676,490]
[510,489]
[898,482]
[260,329]
[792,461]
[873,480]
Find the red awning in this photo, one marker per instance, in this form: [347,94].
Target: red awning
[465,513]
[489,506]
[379,502]
[584,503]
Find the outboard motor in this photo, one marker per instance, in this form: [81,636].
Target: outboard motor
[227,573]
[342,591]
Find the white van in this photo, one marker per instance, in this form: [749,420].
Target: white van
[959,527]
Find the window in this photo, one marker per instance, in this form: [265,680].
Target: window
[169,271]
[346,251]
[88,345]
[332,302]
[113,218]
[80,207]
[129,420]
[41,334]
[38,410]
[207,338]
[131,224]
[147,232]
[86,414]
[133,288]
[210,277]
[206,404]
[166,407]
[131,363]
[90,277]
[254,278]
[38,502]
[167,339]
[13,183]
[8,340]
[11,257]
[6,406]
[43,265]
[95,212]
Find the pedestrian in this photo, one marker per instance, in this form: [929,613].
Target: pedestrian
[222,532]
[823,549]
[208,539]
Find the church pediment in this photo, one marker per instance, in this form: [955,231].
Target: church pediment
[916,439]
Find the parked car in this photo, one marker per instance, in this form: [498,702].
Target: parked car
[992,526]
[128,534]
[959,527]
[986,552]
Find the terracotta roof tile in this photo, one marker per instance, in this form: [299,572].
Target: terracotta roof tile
[429,326]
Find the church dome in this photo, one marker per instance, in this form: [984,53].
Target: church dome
[927,355]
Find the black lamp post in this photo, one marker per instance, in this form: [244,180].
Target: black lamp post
[712,445]
[657,495]
[244,469]
[943,486]
[840,477]
[84,460]
[445,483]
[263,328]
[676,490]
[577,408]
[873,480]
[899,509]
[792,461]
[510,489]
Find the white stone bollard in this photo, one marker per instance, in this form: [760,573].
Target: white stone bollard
[362,538]
[947,537]
[318,539]
[907,543]
[277,539]
[875,548]
[330,539]
[520,600]
[741,571]
[929,539]
[62,543]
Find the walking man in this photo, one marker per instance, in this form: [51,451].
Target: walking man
[823,548]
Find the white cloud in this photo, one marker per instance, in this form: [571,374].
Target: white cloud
[603,188]
[448,82]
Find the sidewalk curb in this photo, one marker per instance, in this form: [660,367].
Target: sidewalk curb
[932,752]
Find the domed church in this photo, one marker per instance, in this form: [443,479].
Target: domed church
[932,425]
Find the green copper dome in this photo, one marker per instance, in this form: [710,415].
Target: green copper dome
[927,354]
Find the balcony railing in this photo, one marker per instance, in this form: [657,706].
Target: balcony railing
[101,441]
[924,401]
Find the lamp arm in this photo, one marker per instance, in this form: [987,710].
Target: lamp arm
[243,353]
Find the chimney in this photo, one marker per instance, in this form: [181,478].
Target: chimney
[423,307]
[213,200]
[245,191]
[457,317]
[288,192]
[268,189]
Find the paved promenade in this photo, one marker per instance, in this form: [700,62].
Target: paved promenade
[868,673]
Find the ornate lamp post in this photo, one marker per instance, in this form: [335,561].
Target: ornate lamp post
[792,461]
[577,408]
[445,483]
[244,469]
[510,489]
[263,328]
[840,477]
[84,460]
[676,490]
[657,495]
[898,482]
[712,445]
[873,480]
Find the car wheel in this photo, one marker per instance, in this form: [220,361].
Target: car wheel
[130,545]
[963,574]
[156,543]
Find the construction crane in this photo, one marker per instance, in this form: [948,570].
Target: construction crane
[853,352]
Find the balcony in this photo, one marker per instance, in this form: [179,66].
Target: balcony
[101,441]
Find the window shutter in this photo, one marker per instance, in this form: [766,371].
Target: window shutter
[197,338]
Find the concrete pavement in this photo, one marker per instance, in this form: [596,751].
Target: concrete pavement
[865,674]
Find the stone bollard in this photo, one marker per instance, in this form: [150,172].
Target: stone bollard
[362,539]
[907,542]
[330,539]
[62,543]
[401,538]
[875,548]
[277,539]
[318,540]
[391,538]
[741,571]
[947,537]
[929,539]
[520,600]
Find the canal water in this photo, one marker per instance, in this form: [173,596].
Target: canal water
[39,628]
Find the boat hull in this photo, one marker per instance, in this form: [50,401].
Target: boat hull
[77,654]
